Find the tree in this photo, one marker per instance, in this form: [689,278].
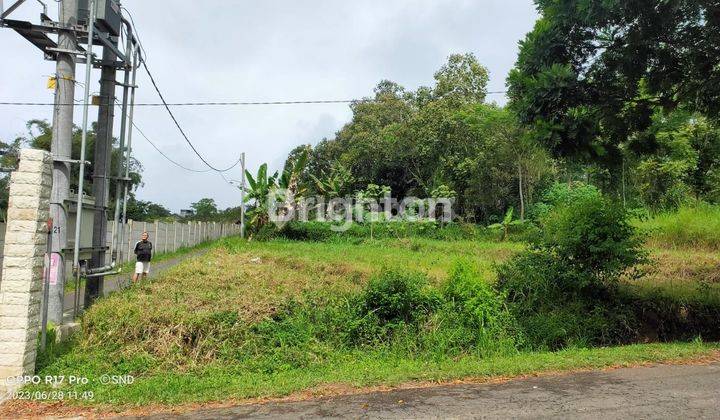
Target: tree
[205,209]
[592,74]
[260,187]
[416,142]
[463,78]
[8,160]
[334,184]
[145,211]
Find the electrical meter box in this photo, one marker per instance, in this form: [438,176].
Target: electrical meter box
[108,17]
[86,223]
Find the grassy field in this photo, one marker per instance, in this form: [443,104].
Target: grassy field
[264,319]
[691,227]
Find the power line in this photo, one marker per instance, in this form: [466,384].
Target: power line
[137,33]
[166,156]
[177,124]
[231,103]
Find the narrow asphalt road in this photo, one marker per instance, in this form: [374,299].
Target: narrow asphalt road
[119,281]
[638,393]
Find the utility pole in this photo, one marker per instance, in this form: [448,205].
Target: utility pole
[61,150]
[115,253]
[101,171]
[242,196]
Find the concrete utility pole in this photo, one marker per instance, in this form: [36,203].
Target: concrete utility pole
[61,151]
[101,171]
[242,196]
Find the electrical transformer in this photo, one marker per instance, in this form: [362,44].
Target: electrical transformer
[108,17]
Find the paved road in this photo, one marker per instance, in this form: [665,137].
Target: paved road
[117,282]
[649,392]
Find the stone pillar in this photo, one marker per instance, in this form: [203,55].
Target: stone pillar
[25,249]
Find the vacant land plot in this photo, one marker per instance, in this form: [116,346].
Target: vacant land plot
[266,319]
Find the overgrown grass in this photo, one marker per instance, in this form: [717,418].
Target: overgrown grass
[267,319]
[129,266]
[690,227]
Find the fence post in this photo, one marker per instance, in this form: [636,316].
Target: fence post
[156,227]
[167,239]
[174,247]
[130,238]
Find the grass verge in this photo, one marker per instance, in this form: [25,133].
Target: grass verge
[352,370]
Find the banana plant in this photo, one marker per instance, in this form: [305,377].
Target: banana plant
[259,187]
[289,182]
[506,224]
[335,184]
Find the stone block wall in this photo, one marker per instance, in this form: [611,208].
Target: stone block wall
[22,277]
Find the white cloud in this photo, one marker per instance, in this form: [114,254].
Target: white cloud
[272,50]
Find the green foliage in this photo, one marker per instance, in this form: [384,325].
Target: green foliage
[562,194]
[39,136]
[563,290]
[592,237]
[393,302]
[205,209]
[589,75]
[335,184]
[435,142]
[145,211]
[463,78]
[507,224]
[477,304]
[691,226]
[260,187]
[323,231]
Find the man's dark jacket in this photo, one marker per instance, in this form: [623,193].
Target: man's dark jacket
[143,250]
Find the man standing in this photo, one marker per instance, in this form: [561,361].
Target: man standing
[143,251]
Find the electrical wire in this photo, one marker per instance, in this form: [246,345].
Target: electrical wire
[143,61]
[169,159]
[177,124]
[237,103]
[137,33]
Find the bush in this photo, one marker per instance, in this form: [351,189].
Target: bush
[392,301]
[480,306]
[474,316]
[592,236]
[563,290]
[323,231]
[560,194]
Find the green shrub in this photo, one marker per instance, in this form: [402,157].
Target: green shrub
[393,301]
[560,194]
[592,236]
[563,290]
[473,317]
[324,231]
[480,305]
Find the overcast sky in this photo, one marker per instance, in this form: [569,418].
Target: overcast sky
[231,50]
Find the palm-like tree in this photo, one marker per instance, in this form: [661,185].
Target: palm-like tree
[260,187]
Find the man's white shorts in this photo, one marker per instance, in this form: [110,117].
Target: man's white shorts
[142,267]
